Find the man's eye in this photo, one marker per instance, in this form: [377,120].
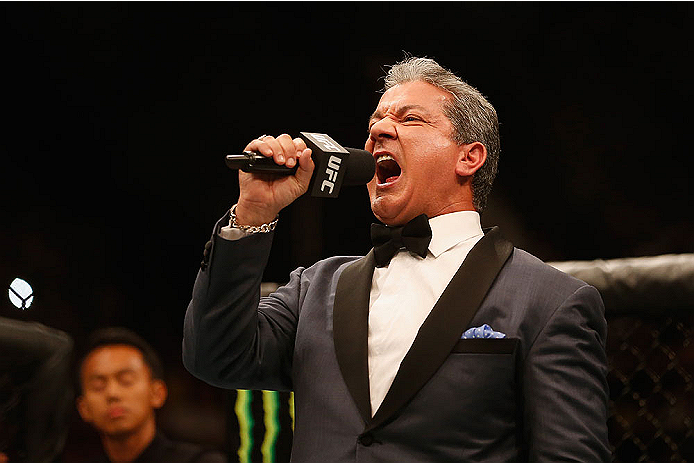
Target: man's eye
[97,384]
[126,378]
[411,118]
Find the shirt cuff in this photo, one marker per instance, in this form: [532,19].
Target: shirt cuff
[232,233]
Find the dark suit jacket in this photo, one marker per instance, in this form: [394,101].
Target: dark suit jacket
[36,396]
[538,395]
[163,450]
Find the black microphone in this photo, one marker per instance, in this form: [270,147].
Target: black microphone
[335,165]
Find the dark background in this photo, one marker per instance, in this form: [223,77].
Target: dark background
[117,117]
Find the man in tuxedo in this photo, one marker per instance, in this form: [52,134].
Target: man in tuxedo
[443,343]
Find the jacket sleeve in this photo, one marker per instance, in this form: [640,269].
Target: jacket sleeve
[230,338]
[38,358]
[564,384]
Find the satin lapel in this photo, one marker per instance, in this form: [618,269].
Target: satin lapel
[445,324]
[350,329]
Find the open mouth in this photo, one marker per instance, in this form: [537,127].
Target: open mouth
[387,169]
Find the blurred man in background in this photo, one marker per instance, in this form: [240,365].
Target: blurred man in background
[122,384]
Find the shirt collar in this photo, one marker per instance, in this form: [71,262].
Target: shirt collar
[448,230]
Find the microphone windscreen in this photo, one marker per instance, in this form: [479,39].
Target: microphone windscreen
[360,168]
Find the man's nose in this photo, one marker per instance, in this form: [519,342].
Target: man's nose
[383,128]
[113,390]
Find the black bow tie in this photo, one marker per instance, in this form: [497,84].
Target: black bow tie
[415,235]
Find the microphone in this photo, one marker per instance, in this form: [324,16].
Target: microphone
[335,165]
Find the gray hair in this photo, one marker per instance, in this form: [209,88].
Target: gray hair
[474,119]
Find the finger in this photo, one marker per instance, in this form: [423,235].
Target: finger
[299,146]
[260,146]
[288,149]
[306,166]
[277,151]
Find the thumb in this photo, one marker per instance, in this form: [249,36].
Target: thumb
[305,170]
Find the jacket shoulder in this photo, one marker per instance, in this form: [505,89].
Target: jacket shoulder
[535,290]
[526,268]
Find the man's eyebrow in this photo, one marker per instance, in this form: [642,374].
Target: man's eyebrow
[375,115]
[400,110]
[404,109]
[115,373]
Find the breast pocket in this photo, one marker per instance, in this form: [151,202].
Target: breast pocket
[477,383]
[485,346]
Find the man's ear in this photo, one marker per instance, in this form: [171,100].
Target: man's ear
[470,159]
[83,409]
[158,393]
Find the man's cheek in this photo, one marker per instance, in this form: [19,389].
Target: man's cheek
[369,145]
[371,187]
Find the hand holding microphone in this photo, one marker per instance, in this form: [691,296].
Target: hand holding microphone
[262,194]
[273,172]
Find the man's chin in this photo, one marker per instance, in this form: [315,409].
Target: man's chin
[119,430]
[380,215]
[390,211]
[392,221]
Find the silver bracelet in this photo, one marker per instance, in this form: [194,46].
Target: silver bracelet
[264,228]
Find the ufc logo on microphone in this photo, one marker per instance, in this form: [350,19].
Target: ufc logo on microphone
[332,170]
[326,143]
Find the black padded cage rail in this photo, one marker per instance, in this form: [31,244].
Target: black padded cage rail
[649,306]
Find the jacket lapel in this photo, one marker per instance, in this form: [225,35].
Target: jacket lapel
[350,329]
[442,328]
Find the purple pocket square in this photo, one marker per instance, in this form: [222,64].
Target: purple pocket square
[484,331]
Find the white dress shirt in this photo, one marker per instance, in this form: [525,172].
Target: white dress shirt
[404,292]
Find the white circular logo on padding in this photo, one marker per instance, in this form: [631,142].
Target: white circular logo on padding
[21,294]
